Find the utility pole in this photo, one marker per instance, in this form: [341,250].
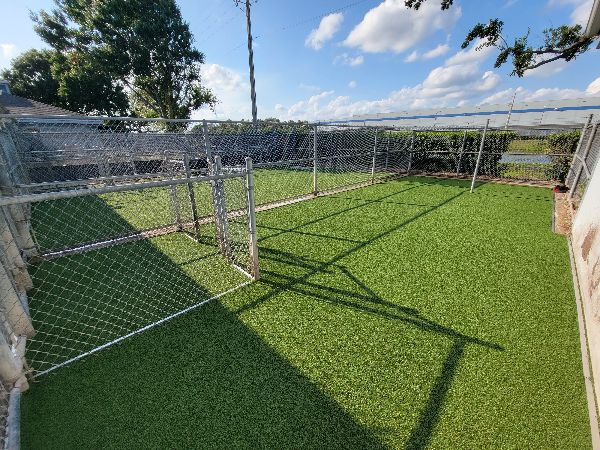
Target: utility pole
[512,104]
[251,62]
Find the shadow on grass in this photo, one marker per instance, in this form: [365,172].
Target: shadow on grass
[208,381]
[203,381]
[367,301]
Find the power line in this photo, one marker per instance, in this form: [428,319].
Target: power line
[320,16]
[299,23]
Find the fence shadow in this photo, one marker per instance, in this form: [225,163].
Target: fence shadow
[278,264]
[203,381]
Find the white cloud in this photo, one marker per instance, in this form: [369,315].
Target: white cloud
[309,87]
[581,9]
[327,28]
[8,50]
[348,60]
[581,13]
[548,69]
[231,90]
[446,85]
[440,50]
[470,55]
[594,87]
[552,94]
[391,26]
[414,56]
[526,95]
[445,76]
[352,84]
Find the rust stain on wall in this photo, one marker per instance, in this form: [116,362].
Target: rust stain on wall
[586,246]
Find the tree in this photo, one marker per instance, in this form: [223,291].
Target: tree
[64,81]
[564,42]
[144,47]
[30,76]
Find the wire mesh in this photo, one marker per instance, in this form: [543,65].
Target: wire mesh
[109,150]
[113,262]
[122,232]
[4,399]
[584,163]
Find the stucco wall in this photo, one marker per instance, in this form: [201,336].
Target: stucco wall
[586,248]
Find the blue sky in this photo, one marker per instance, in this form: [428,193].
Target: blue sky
[332,59]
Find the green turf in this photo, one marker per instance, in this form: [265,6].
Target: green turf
[66,223]
[532,146]
[409,314]
[525,171]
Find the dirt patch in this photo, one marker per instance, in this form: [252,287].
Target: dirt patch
[562,214]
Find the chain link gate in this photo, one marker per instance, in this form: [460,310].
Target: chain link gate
[112,227]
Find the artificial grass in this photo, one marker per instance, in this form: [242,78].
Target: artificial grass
[66,223]
[409,314]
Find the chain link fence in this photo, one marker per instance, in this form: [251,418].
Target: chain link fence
[111,226]
[584,162]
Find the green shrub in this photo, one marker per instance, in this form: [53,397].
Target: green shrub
[562,146]
[440,151]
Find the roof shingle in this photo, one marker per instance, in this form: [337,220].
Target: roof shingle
[18,106]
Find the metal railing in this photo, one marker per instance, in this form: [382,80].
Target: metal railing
[584,162]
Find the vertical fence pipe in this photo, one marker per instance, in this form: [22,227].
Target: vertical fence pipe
[221,211]
[583,160]
[387,151]
[374,158]
[207,148]
[315,156]
[481,147]
[462,150]
[579,144]
[173,193]
[412,149]
[254,269]
[191,195]
[13,425]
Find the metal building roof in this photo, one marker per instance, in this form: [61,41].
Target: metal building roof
[551,113]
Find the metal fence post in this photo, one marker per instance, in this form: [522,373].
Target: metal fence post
[583,158]
[481,147]
[221,210]
[173,194]
[412,149]
[373,167]
[191,195]
[315,156]
[579,144]
[207,148]
[462,150]
[13,426]
[254,268]
[387,151]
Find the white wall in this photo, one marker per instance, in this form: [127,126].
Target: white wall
[586,248]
